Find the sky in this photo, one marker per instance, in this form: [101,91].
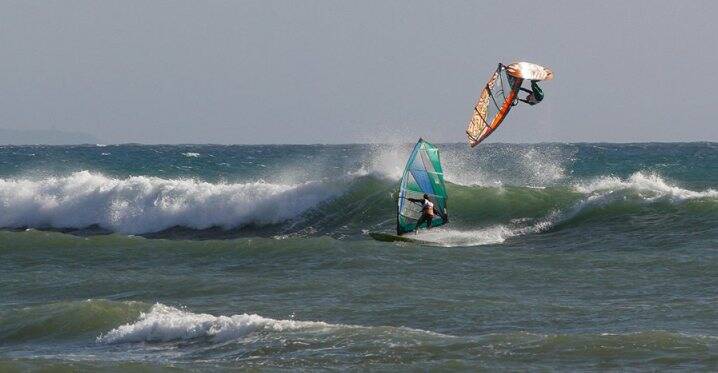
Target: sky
[258,72]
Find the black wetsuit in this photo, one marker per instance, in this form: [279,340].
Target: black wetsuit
[535,91]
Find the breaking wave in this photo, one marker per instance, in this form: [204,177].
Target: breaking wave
[337,207]
[165,324]
[638,189]
[149,204]
[160,331]
[649,186]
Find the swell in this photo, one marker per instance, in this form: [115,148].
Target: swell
[341,207]
[65,320]
[162,333]
[482,215]
[112,322]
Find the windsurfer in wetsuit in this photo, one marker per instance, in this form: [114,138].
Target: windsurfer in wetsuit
[427,211]
[535,95]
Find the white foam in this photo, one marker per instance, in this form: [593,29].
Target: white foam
[140,204]
[650,186]
[498,234]
[191,155]
[452,238]
[164,323]
[485,236]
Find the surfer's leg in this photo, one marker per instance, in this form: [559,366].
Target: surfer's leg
[428,221]
[421,220]
[536,91]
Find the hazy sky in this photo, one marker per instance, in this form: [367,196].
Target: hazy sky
[355,71]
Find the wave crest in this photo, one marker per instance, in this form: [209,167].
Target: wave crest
[340,207]
[164,323]
[650,185]
[141,204]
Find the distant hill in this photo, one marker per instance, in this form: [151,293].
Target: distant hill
[44,137]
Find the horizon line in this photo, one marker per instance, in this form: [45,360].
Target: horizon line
[366,143]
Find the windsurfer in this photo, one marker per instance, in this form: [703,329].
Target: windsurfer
[427,211]
[535,95]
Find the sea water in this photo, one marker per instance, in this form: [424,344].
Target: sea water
[203,257]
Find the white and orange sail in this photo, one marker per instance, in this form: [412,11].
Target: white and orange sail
[498,96]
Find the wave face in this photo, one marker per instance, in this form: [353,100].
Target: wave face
[500,193]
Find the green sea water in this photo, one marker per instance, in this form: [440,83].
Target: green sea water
[210,258]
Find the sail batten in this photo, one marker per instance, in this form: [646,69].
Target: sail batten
[489,115]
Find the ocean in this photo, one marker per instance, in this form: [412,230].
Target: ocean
[566,257]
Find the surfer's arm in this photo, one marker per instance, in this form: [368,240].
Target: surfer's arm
[526,90]
[415,200]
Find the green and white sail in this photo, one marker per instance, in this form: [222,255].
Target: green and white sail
[422,175]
